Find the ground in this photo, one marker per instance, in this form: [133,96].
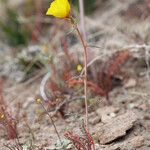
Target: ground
[124,124]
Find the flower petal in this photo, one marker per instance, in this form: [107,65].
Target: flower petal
[59,8]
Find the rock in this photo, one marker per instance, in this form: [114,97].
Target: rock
[94,120]
[147,117]
[114,147]
[131,105]
[107,113]
[144,107]
[137,141]
[116,127]
[107,117]
[131,144]
[131,82]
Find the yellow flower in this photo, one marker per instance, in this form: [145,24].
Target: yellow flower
[79,68]
[38,101]
[2,116]
[59,9]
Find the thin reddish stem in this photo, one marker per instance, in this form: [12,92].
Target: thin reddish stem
[52,121]
[85,74]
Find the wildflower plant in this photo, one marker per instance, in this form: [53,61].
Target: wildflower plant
[61,9]
[39,101]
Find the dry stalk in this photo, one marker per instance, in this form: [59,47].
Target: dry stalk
[85,74]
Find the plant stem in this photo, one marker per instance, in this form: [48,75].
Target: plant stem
[85,74]
[52,123]
[82,18]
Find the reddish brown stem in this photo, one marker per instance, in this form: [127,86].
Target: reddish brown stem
[52,121]
[85,75]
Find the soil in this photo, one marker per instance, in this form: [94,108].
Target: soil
[113,27]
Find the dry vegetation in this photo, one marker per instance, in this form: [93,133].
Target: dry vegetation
[118,35]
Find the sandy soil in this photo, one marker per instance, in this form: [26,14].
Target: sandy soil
[113,27]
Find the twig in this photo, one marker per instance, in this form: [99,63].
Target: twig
[42,86]
[138,46]
[9,147]
[90,63]
[52,121]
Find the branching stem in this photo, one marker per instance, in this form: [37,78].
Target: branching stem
[52,121]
